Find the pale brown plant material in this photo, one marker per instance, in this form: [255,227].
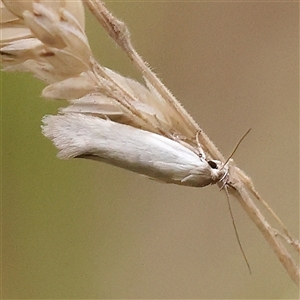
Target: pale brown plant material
[48,40]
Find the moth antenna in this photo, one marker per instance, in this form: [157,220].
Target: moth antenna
[235,148]
[234,226]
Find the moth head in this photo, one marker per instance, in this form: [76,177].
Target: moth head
[219,171]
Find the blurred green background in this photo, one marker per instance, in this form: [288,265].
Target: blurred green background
[81,229]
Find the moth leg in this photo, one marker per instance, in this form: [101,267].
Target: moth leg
[200,150]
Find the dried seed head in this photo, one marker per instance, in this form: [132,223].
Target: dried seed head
[46,40]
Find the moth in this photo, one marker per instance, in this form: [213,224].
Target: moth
[137,150]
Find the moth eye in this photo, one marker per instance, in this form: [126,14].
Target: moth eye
[212,164]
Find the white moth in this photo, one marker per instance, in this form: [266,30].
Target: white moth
[140,151]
